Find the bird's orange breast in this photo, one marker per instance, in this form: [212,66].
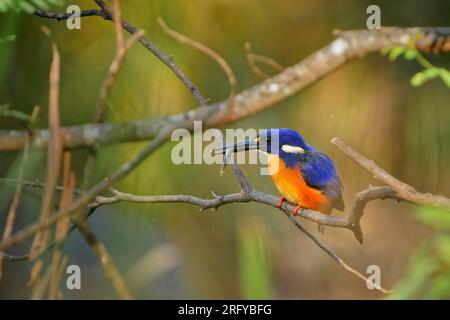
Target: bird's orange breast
[291,184]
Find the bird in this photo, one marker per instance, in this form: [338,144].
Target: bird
[302,174]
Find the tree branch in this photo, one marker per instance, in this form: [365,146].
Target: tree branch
[208,51]
[105,259]
[122,48]
[86,197]
[166,59]
[54,153]
[402,190]
[105,13]
[347,46]
[65,16]
[396,190]
[253,59]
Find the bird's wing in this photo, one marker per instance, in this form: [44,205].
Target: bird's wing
[320,173]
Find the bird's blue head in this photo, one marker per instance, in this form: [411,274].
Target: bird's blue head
[286,143]
[281,141]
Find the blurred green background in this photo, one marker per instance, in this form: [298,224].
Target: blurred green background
[242,250]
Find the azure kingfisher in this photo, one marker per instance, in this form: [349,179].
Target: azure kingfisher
[302,174]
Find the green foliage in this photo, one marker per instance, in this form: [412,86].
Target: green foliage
[428,274]
[423,76]
[254,263]
[434,218]
[6,111]
[9,38]
[27,5]
[430,71]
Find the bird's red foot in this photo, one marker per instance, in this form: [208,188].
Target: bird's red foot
[296,209]
[280,202]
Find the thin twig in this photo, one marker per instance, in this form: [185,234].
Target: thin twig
[348,46]
[86,197]
[403,191]
[253,60]
[62,227]
[105,13]
[107,263]
[208,51]
[357,211]
[166,59]
[333,255]
[218,201]
[54,152]
[121,51]
[65,16]
[15,203]
[35,184]
[122,48]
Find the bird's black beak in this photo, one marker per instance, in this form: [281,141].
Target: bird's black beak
[240,146]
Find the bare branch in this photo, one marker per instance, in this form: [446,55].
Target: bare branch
[121,51]
[62,227]
[117,17]
[105,259]
[207,50]
[348,46]
[105,13]
[122,48]
[333,255]
[15,203]
[254,196]
[20,183]
[253,60]
[166,59]
[65,16]
[54,152]
[402,190]
[35,184]
[86,197]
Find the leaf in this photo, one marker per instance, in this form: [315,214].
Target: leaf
[439,287]
[254,262]
[6,111]
[385,51]
[418,79]
[41,4]
[445,76]
[27,5]
[423,76]
[443,248]
[410,54]
[396,52]
[416,277]
[435,218]
[9,38]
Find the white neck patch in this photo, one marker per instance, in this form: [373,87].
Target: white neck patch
[292,149]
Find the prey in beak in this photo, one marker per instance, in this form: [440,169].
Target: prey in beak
[228,150]
[240,146]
